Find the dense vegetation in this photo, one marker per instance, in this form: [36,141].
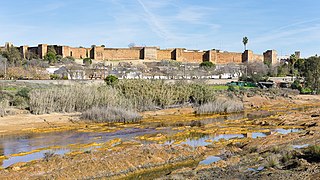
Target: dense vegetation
[131,94]
[121,99]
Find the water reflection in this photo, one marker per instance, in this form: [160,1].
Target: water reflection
[210,159]
[59,142]
[286,131]
[62,140]
[204,140]
[30,157]
[300,146]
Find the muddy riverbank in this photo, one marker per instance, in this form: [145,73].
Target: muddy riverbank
[165,143]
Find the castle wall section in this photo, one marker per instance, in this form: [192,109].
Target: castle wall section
[24,51]
[189,56]
[42,50]
[33,50]
[166,54]
[152,53]
[271,57]
[149,53]
[258,57]
[79,53]
[218,57]
[120,54]
[65,51]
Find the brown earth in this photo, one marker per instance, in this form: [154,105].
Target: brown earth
[241,159]
[120,161]
[130,160]
[24,123]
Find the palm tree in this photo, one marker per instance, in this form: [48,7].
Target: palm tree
[245,41]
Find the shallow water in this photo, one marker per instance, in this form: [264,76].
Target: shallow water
[33,156]
[260,168]
[300,146]
[287,131]
[35,145]
[209,139]
[210,159]
[61,142]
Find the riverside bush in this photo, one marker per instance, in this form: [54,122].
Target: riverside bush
[110,115]
[4,104]
[220,105]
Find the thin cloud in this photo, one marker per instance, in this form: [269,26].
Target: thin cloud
[283,33]
[299,23]
[155,23]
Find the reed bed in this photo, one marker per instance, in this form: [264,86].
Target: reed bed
[220,105]
[146,94]
[110,115]
[77,98]
[117,103]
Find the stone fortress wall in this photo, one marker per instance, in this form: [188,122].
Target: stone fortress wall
[99,53]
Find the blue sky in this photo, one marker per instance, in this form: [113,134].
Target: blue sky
[283,25]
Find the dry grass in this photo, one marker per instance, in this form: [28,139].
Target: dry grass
[74,99]
[147,94]
[272,161]
[140,95]
[4,104]
[220,105]
[110,115]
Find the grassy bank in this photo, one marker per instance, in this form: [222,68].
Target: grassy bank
[119,102]
[127,96]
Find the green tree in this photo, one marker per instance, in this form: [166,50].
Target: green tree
[207,64]
[87,61]
[283,70]
[13,55]
[51,56]
[52,50]
[312,73]
[300,66]
[24,92]
[111,80]
[245,41]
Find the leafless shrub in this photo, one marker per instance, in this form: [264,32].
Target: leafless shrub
[48,155]
[4,104]
[220,105]
[111,115]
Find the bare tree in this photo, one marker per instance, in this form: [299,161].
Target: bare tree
[256,71]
